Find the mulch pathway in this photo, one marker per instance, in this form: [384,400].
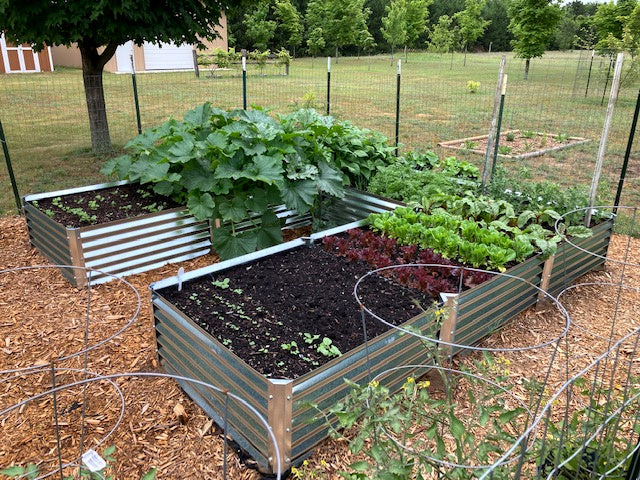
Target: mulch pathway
[43,318]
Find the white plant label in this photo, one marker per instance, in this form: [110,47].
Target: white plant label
[180,274]
[93,461]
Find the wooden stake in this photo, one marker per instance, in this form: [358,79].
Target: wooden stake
[613,96]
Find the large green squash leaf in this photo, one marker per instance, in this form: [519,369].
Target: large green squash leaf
[228,245]
[201,206]
[299,195]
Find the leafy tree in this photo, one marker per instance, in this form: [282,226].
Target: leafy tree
[374,22]
[417,16]
[342,21]
[365,41]
[471,23]
[99,27]
[497,34]
[532,23]
[443,36]
[609,21]
[347,18]
[394,25]
[289,23]
[317,25]
[445,7]
[631,32]
[315,41]
[259,29]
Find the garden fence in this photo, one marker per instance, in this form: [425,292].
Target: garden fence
[45,116]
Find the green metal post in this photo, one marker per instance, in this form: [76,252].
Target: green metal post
[627,153]
[634,468]
[12,177]
[328,85]
[586,92]
[398,104]
[244,83]
[495,149]
[135,95]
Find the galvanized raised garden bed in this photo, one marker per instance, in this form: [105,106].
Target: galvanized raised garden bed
[187,350]
[142,243]
[121,247]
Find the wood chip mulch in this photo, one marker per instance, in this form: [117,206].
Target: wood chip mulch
[43,318]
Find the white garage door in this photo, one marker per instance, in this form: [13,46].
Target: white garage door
[167,56]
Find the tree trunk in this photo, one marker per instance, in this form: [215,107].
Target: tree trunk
[92,67]
[464,62]
[526,68]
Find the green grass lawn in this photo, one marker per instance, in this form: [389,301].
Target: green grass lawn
[45,120]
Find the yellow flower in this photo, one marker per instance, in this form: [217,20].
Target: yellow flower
[424,384]
[374,383]
[411,380]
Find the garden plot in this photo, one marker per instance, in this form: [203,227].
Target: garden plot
[517,144]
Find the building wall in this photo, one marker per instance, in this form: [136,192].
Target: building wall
[10,61]
[70,56]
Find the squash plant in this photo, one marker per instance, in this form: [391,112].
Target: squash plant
[235,165]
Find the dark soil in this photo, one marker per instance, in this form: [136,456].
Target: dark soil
[101,206]
[276,300]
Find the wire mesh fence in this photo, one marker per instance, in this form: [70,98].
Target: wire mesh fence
[46,121]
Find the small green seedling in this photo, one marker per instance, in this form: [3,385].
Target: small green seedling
[291,347]
[223,284]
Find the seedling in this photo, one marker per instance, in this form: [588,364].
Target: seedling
[328,349]
[308,338]
[528,134]
[511,136]
[291,347]
[504,149]
[223,284]
[470,145]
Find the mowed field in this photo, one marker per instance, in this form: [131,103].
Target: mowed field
[45,118]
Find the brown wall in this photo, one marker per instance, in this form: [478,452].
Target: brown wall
[28,55]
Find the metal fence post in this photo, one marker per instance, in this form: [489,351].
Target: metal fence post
[627,153]
[7,159]
[135,95]
[495,150]
[399,75]
[593,53]
[244,82]
[492,129]
[328,85]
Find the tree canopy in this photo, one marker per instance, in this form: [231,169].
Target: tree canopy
[532,24]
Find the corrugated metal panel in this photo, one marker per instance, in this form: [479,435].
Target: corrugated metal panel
[485,308]
[185,349]
[50,238]
[571,262]
[326,386]
[144,243]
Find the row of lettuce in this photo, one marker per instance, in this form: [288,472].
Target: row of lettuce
[235,165]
